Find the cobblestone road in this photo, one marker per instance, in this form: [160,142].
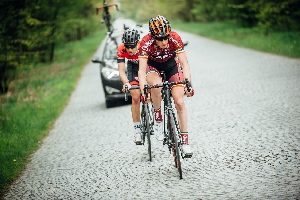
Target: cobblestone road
[244,128]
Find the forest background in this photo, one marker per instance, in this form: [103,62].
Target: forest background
[30,30]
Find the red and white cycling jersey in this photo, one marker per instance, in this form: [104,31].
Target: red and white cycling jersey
[122,54]
[150,50]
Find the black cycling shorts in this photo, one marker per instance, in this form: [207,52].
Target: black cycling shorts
[132,72]
[171,69]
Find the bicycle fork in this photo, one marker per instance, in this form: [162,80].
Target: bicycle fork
[171,123]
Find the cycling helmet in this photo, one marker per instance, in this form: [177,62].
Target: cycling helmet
[130,36]
[159,26]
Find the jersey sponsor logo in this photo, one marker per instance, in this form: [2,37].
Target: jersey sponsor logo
[135,61]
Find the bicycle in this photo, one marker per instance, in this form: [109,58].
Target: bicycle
[106,15]
[146,121]
[172,134]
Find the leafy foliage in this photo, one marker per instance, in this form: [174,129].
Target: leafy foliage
[30,30]
[266,14]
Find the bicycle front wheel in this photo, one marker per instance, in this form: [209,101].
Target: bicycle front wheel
[148,133]
[175,144]
[144,124]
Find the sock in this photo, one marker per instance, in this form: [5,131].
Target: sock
[137,127]
[157,115]
[185,137]
[156,110]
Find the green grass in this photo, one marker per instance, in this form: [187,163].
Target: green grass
[281,43]
[36,98]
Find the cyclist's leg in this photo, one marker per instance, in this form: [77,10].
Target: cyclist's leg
[153,77]
[176,75]
[178,97]
[135,105]
[135,94]
[132,75]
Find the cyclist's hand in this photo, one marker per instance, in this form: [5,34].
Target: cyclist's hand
[145,100]
[189,92]
[128,87]
[188,89]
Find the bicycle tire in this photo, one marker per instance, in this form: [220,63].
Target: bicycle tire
[143,123]
[146,129]
[175,143]
[148,133]
[151,120]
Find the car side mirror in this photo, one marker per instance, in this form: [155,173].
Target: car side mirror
[97,60]
[125,27]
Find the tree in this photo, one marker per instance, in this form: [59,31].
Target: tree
[30,30]
[10,46]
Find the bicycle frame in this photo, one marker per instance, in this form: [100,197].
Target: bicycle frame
[172,132]
[171,127]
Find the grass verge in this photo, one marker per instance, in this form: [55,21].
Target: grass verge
[281,43]
[35,100]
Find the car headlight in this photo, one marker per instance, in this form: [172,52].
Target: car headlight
[110,73]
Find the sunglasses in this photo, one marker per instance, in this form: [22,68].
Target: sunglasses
[130,46]
[162,38]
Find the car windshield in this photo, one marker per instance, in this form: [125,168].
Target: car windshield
[111,49]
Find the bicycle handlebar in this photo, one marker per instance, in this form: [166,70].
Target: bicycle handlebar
[186,82]
[166,83]
[147,87]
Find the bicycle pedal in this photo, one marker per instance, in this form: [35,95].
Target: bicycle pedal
[186,155]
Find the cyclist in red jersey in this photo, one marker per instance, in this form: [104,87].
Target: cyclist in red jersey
[163,50]
[129,50]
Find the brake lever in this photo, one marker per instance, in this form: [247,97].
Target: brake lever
[188,84]
[146,89]
[126,90]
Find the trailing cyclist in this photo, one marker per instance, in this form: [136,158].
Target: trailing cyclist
[129,50]
[163,50]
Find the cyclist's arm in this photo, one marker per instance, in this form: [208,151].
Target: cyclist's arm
[185,65]
[121,63]
[186,71]
[122,73]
